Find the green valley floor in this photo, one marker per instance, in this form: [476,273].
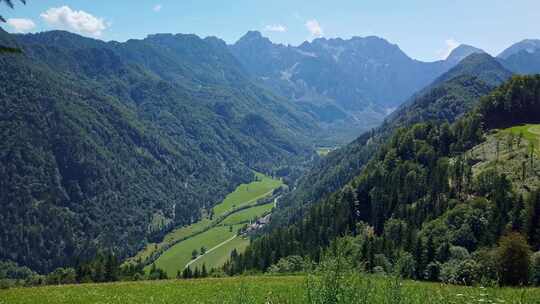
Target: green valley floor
[218,235]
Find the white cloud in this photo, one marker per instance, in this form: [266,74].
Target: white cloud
[314,28]
[275,28]
[79,21]
[21,25]
[158,7]
[451,44]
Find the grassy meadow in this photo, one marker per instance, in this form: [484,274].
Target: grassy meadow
[324,151]
[262,289]
[229,216]
[530,132]
[245,216]
[247,194]
[220,255]
[177,257]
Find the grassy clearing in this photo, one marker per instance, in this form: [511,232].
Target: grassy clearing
[514,161]
[531,133]
[261,289]
[244,195]
[219,256]
[245,216]
[172,238]
[176,257]
[324,151]
[247,194]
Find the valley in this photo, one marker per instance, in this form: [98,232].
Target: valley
[305,161]
[217,232]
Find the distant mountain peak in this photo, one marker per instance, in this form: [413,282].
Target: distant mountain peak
[252,36]
[463,51]
[527,45]
[480,65]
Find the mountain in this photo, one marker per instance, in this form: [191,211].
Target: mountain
[461,52]
[527,45]
[522,57]
[446,99]
[347,85]
[438,198]
[106,145]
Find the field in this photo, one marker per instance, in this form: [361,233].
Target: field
[247,194]
[530,132]
[177,257]
[219,256]
[262,289]
[512,160]
[247,215]
[324,151]
[178,245]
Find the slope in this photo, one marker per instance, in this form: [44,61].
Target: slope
[429,197]
[109,145]
[451,95]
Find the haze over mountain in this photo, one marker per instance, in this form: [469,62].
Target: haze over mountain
[445,100]
[527,45]
[348,85]
[522,57]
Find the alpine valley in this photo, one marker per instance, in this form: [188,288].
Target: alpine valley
[342,168]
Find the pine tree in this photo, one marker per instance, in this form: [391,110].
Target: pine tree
[533,220]
[204,272]
[111,268]
[11,5]
[6,49]
[514,259]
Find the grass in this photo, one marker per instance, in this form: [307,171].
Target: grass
[324,151]
[176,257]
[219,256]
[245,216]
[172,238]
[531,133]
[514,161]
[244,195]
[259,289]
[247,194]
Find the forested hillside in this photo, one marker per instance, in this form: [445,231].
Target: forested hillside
[418,207]
[105,145]
[451,95]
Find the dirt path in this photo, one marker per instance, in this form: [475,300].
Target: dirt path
[207,252]
[535,130]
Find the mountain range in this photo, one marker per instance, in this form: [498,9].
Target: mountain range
[349,86]
[106,145]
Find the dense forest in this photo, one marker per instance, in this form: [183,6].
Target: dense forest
[418,209]
[107,145]
[450,96]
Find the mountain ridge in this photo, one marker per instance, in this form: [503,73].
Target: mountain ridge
[361,79]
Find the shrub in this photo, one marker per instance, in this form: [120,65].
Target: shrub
[335,281]
[290,264]
[406,266]
[535,269]
[513,255]
[62,276]
[381,262]
[433,271]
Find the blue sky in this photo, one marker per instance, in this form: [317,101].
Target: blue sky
[424,29]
